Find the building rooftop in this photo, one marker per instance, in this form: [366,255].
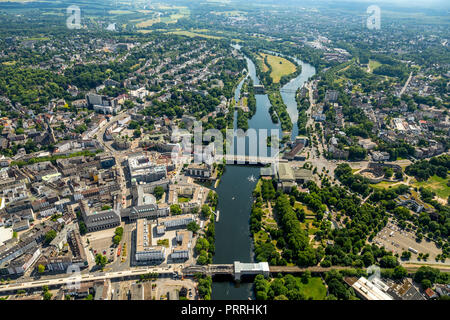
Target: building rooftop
[285,172]
[369,291]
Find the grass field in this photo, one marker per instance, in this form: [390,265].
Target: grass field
[280,66]
[193,34]
[436,184]
[228,13]
[383,185]
[314,289]
[37,39]
[148,23]
[307,211]
[120,12]
[373,64]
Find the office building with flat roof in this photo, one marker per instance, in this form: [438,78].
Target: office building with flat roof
[181,251]
[145,251]
[180,221]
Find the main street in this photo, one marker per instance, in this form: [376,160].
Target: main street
[69,279]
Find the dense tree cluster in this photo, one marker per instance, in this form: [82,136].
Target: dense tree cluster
[281,288]
[204,286]
[355,182]
[422,170]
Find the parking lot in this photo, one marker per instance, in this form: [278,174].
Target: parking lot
[397,240]
[101,242]
[161,289]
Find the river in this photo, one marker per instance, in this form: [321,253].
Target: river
[233,239]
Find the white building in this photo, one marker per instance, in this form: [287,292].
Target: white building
[177,221]
[143,170]
[145,251]
[371,290]
[140,93]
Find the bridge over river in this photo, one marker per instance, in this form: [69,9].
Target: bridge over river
[249,160]
[239,269]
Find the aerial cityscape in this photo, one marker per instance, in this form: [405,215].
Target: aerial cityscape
[224,150]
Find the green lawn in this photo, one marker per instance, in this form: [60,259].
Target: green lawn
[383,185]
[280,66]
[373,64]
[436,184]
[193,34]
[308,212]
[314,288]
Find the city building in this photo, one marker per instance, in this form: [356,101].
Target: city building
[143,170]
[174,222]
[145,251]
[181,251]
[369,290]
[96,221]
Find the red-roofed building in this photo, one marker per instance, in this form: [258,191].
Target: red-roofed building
[430,293]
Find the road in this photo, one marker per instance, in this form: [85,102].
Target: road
[63,280]
[406,84]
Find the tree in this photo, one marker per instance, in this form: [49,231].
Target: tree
[119,231]
[202,259]
[388,262]
[82,227]
[158,192]
[398,175]
[425,272]
[202,245]
[175,209]
[388,173]
[193,226]
[47,295]
[399,272]
[426,283]
[368,258]
[206,211]
[41,268]
[406,255]
[306,276]
[338,289]
[137,133]
[49,236]
[101,260]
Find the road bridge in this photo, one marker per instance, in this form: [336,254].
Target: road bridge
[236,270]
[239,269]
[71,279]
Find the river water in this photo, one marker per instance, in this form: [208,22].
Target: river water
[233,239]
